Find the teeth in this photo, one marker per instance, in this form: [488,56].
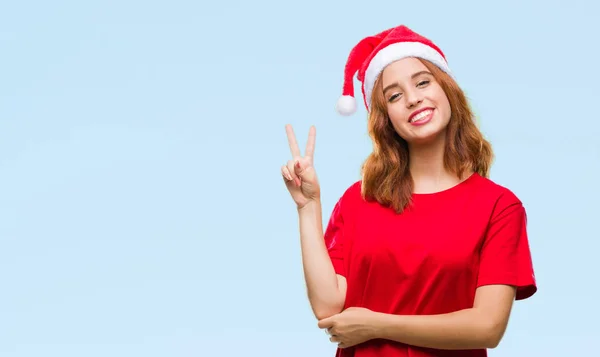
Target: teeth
[420,116]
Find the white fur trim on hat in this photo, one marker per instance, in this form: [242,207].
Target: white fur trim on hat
[395,52]
[346,105]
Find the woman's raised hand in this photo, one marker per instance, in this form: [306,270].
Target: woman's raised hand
[299,173]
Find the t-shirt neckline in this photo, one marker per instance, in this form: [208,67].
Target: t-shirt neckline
[452,189]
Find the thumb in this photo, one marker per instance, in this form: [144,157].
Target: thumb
[326,322]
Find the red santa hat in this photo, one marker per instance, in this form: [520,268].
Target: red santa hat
[372,54]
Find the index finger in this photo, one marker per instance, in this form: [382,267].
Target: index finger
[310,144]
[292,141]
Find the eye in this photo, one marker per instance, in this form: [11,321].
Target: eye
[394,97]
[423,83]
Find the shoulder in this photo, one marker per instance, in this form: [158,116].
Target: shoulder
[350,198]
[354,189]
[497,195]
[494,189]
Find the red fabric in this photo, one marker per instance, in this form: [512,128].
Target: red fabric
[431,258]
[395,35]
[355,61]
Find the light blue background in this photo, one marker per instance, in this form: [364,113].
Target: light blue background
[142,211]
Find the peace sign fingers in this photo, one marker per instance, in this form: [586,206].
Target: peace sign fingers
[310,144]
[299,173]
[294,149]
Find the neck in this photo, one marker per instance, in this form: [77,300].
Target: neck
[426,165]
[426,160]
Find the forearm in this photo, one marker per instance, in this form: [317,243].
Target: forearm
[324,294]
[460,330]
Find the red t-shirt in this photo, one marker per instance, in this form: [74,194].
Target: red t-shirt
[431,258]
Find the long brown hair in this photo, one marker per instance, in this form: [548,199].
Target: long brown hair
[385,173]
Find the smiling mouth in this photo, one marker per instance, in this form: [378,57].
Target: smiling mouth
[420,115]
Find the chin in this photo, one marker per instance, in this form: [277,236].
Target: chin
[425,136]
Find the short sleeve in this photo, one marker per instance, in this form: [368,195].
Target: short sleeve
[505,254]
[334,239]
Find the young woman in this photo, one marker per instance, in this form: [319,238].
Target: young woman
[425,255]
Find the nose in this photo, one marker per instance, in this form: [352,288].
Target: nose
[413,99]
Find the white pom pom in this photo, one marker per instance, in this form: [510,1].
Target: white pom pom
[346,105]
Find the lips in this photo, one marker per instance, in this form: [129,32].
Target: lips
[420,114]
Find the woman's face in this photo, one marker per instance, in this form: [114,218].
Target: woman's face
[417,105]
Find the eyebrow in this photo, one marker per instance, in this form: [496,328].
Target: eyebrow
[393,85]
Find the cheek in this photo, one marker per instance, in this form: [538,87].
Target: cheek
[444,106]
[397,116]
[447,110]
